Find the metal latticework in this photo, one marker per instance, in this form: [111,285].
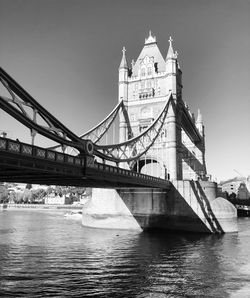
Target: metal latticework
[30,113]
[134,148]
[95,134]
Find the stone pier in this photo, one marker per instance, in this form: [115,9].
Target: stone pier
[187,206]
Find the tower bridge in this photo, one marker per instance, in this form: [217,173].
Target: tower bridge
[155,175]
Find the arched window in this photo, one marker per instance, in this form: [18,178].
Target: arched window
[149,71]
[143,72]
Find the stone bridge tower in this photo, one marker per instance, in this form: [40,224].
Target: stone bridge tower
[145,88]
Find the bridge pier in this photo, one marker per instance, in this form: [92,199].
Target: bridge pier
[187,206]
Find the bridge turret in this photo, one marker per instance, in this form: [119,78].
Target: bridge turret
[199,123]
[173,71]
[123,77]
[202,172]
[123,93]
[173,83]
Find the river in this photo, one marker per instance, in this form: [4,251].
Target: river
[43,254]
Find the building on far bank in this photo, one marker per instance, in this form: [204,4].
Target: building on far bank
[53,199]
[239,188]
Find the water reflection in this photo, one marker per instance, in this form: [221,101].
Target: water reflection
[44,255]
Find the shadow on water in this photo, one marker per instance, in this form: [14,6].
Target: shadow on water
[158,263]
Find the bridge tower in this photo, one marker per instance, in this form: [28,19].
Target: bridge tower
[123,95]
[145,87]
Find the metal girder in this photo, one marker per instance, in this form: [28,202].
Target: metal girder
[137,146]
[18,106]
[96,133]
[189,126]
[20,162]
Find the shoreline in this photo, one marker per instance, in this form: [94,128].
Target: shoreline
[39,207]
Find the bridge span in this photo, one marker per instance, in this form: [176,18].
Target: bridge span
[21,162]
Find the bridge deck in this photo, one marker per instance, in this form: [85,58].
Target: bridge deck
[20,162]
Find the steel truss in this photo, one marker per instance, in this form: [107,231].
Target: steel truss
[134,148]
[96,133]
[28,111]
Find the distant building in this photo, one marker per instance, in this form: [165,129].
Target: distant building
[53,199]
[241,188]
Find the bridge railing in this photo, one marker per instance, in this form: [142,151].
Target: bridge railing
[27,150]
[120,171]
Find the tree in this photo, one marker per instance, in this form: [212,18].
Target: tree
[19,197]
[27,195]
[28,186]
[3,194]
[49,190]
[12,197]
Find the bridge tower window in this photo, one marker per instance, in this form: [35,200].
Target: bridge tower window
[143,72]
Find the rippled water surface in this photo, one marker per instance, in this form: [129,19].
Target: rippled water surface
[43,254]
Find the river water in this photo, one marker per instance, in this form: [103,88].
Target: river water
[43,254]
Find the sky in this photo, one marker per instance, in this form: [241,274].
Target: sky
[66,54]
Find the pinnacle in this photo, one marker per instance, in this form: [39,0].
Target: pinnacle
[171,53]
[150,39]
[123,63]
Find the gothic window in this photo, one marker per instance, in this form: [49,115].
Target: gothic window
[156,67]
[142,84]
[149,71]
[143,72]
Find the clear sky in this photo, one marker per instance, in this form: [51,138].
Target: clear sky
[66,54]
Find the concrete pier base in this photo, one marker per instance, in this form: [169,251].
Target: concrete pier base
[107,210]
[187,206]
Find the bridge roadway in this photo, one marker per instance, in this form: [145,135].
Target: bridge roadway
[21,162]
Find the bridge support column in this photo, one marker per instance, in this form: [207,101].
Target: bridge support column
[187,206]
[172,144]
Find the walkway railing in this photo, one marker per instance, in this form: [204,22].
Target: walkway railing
[39,152]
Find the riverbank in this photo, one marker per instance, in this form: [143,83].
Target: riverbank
[39,207]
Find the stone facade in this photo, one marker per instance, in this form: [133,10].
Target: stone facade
[239,188]
[145,88]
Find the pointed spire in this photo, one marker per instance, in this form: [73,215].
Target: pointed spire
[151,39]
[123,63]
[199,123]
[132,63]
[199,117]
[171,53]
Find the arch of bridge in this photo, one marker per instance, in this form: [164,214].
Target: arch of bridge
[148,165]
